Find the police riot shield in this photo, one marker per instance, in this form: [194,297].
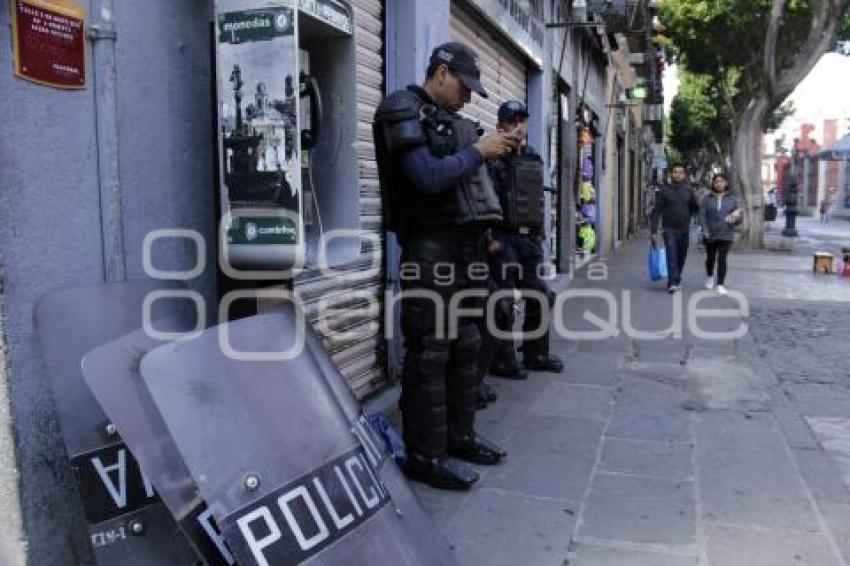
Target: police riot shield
[127,522]
[272,448]
[112,373]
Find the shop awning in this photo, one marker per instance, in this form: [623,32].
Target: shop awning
[838,151]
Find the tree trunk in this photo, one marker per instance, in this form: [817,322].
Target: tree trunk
[746,158]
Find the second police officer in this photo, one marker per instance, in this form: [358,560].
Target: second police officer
[440,202]
[518,180]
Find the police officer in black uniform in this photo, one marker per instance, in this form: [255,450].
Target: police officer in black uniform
[440,202]
[518,180]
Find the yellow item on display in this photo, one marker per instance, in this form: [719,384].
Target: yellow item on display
[588,237]
[586,191]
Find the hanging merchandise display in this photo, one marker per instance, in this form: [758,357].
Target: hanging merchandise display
[587,168]
[587,234]
[586,192]
[586,209]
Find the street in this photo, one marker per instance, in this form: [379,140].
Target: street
[677,451]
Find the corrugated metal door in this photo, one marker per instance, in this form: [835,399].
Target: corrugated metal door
[503,72]
[349,301]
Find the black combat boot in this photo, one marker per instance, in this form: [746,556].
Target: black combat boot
[443,472]
[476,449]
[486,395]
[546,362]
[508,371]
[506,364]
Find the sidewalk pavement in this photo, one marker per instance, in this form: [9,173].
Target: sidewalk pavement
[678,451]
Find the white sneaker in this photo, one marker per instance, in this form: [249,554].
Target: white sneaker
[721,290]
[709,284]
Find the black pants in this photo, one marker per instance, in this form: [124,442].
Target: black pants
[493,349]
[518,267]
[439,386]
[717,251]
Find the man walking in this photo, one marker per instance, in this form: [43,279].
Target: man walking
[440,202]
[675,205]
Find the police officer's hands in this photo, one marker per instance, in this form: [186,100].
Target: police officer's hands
[496,145]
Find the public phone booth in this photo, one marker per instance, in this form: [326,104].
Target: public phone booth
[286,127]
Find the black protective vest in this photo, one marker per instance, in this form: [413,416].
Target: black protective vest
[405,120]
[522,192]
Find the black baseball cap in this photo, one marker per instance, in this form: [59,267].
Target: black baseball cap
[463,62]
[511,109]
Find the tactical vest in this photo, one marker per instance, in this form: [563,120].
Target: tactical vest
[522,194]
[471,200]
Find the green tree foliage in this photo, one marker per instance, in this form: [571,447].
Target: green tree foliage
[749,56]
[696,126]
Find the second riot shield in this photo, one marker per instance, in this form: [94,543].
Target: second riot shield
[273,450]
[127,522]
[112,373]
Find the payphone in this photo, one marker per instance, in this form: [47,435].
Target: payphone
[286,129]
[258,75]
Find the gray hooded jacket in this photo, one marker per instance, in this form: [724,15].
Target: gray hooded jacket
[713,210]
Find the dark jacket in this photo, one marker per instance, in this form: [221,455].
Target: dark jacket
[430,174]
[674,206]
[713,211]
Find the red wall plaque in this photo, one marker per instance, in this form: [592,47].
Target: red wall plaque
[49,42]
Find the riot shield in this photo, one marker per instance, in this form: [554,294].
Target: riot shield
[112,373]
[273,451]
[127,522]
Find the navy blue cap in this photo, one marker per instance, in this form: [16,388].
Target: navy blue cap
[463,62]
[510,109]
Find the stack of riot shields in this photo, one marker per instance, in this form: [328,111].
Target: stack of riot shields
[212,448]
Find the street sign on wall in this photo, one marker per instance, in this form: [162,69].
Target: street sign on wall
[48,39]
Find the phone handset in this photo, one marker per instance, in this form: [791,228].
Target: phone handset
[309,88]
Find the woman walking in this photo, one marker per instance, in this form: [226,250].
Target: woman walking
[718,213]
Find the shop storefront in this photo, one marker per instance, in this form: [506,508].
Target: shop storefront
[504,71]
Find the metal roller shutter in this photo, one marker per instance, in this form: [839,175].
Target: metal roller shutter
[503,72]
[358,356]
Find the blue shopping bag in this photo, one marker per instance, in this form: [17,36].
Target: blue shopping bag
[657,263]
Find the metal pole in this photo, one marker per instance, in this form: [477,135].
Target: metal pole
[103,35]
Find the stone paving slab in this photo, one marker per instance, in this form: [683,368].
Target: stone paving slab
[824,476]
[837,517]
[586,554]
[833,433]
[648,410]
[723,382]
[647,458]
[819,400]
[640,510]
[497,528]
[735,546]
[747,476]
[501,420]
[577,401]
[548,457]
[581,370]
